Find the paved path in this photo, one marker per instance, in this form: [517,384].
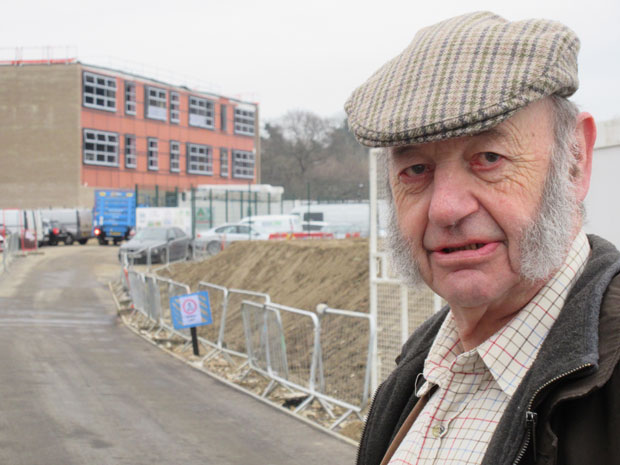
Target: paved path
[77,388]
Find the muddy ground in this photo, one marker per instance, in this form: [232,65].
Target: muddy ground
[300,274]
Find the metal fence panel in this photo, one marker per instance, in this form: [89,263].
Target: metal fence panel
[276,344]
[153,298]
[218,299]
[346,344]
[232,334]
[136,290]
[253,316]
[301,339]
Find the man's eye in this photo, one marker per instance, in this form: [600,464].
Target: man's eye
[489,158]
[416,170]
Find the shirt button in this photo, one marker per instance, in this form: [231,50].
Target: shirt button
[438,430]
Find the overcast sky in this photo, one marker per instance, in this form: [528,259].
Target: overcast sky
[287,54]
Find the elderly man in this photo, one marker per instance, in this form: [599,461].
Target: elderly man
[488,165]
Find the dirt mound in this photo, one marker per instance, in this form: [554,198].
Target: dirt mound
[299,274]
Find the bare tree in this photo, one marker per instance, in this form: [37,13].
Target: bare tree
[302,148]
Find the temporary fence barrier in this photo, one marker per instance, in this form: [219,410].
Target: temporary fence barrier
[265,341]
[232,335]
[137,290]
[299,350]
[325,355]
[218,301]
[10,248]
[346,343]
[283,344]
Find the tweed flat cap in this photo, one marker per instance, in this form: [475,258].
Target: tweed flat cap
[462,76]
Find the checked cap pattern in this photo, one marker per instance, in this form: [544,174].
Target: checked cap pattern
[462,76]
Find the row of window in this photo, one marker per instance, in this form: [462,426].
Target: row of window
[99,92]
[103,148]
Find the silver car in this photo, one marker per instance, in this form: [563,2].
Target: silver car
[215,239]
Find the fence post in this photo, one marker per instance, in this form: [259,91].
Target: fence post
[193,203]
[210,208]
[241,203]
[226,205]
[372,268]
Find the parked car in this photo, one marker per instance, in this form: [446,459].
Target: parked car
[215,239]
[166,244]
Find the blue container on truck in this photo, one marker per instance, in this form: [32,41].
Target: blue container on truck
[114,215]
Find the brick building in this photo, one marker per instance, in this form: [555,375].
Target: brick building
[67,128]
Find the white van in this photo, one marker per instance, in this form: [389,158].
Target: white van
[271,224]
[355,216]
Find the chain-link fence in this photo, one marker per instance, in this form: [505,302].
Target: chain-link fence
[398,309]
[346,338]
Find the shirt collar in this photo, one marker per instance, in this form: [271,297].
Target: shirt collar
[510,352]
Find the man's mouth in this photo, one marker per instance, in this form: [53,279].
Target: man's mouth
[465,247]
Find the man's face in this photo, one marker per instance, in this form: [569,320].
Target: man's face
[464,204]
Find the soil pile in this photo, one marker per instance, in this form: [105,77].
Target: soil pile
[299,274]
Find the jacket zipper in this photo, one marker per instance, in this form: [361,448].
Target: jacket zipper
[532,417]
[365,431]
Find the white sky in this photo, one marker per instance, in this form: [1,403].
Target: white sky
[287,54]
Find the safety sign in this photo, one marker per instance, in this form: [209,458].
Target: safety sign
[190,310]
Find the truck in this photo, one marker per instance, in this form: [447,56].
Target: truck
[78,222]
[114,215]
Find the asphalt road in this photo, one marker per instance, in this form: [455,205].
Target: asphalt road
[77,388]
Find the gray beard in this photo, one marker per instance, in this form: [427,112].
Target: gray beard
[543,244]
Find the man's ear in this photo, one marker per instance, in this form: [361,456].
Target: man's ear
[585,133]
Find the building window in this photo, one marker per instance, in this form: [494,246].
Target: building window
[99,92]
[175,157]
[223,118]
[242,164]
[131,158]
[175,114]
[155,103]
[224,163]
[100,148]
[244,121]
[199,159]
[130,98]
[152,154]
[201,112]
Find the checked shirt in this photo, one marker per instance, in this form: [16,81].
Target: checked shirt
[474,387]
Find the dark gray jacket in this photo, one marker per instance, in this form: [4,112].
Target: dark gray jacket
[567,408]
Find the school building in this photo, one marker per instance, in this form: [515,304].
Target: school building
[68,128]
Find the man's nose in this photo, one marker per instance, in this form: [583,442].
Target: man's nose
[452,198]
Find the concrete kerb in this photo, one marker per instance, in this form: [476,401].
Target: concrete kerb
[198,366]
